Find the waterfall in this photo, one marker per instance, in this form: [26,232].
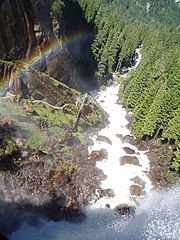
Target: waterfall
[157,213]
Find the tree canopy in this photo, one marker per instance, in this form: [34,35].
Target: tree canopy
[152,91]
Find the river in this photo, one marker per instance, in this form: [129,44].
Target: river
[157,214]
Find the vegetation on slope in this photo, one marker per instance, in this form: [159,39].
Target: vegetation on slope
[152,92]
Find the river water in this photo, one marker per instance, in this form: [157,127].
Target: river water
[157,214]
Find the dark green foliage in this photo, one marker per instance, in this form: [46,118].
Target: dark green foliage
[152,91]
[116,38]
[176,160]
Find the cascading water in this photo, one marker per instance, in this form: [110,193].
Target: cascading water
[156,217]
[119,178]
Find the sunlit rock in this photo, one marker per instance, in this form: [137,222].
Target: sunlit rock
[129,160]
[104,139]
[135,190]
[98,154]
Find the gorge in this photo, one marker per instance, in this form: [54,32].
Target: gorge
[86,131]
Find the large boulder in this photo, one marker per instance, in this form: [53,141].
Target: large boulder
[104,139]
[135,190]
[129,160]
[105,193]
[122,209]
[98,155]
[129,150]
[120,136]
[138,181]
[141,146]
[129,139]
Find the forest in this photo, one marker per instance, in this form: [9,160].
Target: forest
[152,92]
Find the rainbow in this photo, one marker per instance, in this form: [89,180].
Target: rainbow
[39,52]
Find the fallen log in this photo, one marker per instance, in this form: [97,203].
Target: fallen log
[79,113]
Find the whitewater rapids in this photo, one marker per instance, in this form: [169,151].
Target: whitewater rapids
[157,215]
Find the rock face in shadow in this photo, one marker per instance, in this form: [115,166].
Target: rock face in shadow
[28,25]
[31,29]
[38,80]
[3,237]
[27,30]
[17,33]
[79,47]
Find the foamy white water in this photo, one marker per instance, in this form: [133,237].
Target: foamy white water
[118,176]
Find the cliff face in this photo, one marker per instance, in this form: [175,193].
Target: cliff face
[27,28]
[22,27]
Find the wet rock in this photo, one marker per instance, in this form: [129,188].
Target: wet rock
[151,156]
[129,116]
[98,154]
[142,147]
[108,205]
[106,193]
[38,31]
[16,86]
[122,209]
[135,190]
[120,136]
[104,139]
[129,139]
[103,88]
[129,126]
[139,181]
[124,70]
[129,160]
[129,150]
